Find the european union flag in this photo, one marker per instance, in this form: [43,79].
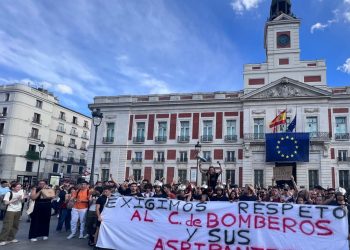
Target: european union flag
[287,147]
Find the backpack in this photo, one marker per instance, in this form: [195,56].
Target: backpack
[3,206]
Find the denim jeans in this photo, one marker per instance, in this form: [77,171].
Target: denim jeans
[65,217]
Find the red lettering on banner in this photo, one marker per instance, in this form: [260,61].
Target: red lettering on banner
[302,228]
[287,226]
[246,221]
[210,220]
[199,245]
[193,222]
[185,245]
[259,222]
[214,247]
[323,227]
[136,215]
[171,246]
[228,224]
[273,221]
[146,218]
[159,245]
[170,218]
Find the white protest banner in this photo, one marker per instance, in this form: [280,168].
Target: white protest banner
[282,173]
[163,224]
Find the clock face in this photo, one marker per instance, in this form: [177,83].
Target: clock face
[283,40]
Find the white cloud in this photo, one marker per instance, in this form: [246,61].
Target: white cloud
[156,86]
[347,16]
[318,26]
[347,1]
[244,5]
[64,89]
[345,67]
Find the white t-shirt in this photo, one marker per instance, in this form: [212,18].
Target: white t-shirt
[17,205]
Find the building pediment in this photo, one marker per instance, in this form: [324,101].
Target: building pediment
[284,16]
[286,88]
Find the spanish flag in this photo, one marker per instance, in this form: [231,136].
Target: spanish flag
[280,119]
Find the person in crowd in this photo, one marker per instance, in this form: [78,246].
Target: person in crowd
[168,191]
[248,194]
[41,215]
[81,198]
[100,203]
[212,175]
[134,190]
[13,200]
[4,188]
[219,194]
[158,192]
[91,217]
[148,191]
[64,212]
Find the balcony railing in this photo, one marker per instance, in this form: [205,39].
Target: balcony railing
[136,160]
[74,133]
[159,160]
[139,139]
[206,138]
[60,129]
[32,155]
[84,137]
[182,160]
[254,137]
[230,159]
[343,159]
[71,145]
[230,138]
[36,120]
[107,140]
[3,115]
[63,118]
[183,138]
[57,158]
[60,143]
[70,160]
[105,160]
[83,148]
[82,162]
[319,136]
[34,136]
[160,139]
[342,136]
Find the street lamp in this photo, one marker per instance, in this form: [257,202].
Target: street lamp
[96,119]
[197,148]
[41,149]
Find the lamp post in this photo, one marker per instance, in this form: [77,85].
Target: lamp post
[197,148]
[41,149]
[96,119]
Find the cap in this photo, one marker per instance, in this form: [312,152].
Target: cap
[158,184]
[181,187]
[219,186]
[204,186]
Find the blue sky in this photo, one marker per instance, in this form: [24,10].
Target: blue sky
[83,48]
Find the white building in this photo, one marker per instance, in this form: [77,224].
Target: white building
[154,135]
[29,116]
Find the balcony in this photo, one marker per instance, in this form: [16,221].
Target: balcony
[255,137]
[61,130]
[136,160]
[32,155]
[70,160]
[85,137]
[83,148]
[107,140]
[72,145]
[230,138]
[3,115]
[139,139]
[230,159]
[183,139]
[34,136]
[159,160]
[57,158]
[63,118]
[74,133]
[341,136]
[105,160]
[319,136]
[82,162]
[182,160]
[60,143]
[36,121]
[206,138]
[160,139]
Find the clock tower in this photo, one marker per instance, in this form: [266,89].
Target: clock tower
[282,48]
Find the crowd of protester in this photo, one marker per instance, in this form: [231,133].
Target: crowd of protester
[79,206]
